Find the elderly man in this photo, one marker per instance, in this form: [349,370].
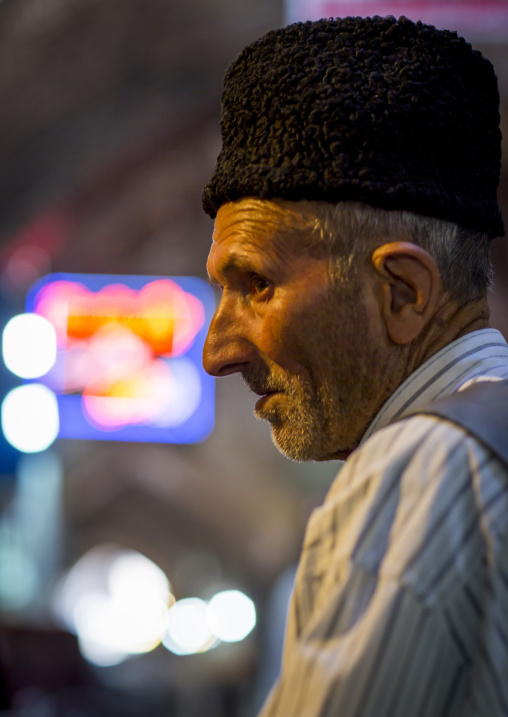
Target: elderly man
[354,199]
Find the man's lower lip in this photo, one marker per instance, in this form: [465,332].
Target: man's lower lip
[264,399]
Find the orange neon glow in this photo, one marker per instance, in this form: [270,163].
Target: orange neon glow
[121,346]
[161,313]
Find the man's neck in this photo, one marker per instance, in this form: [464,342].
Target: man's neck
[450,322]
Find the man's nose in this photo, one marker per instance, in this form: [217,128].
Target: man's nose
[227,348]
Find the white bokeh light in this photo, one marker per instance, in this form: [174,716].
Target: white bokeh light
[110,629]
[231,615]
[29,418]
[188,630]
[135,578]
[116,601]
[29,345]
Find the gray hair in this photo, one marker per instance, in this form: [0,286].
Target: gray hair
[349,230]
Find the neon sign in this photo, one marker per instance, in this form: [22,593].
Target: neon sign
[129,351]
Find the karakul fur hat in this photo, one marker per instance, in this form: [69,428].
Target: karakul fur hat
[393,113]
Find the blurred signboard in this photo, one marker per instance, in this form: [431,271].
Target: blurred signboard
[477,20]
[128,363]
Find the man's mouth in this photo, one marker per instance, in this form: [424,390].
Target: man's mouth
[262,383]
[265,396]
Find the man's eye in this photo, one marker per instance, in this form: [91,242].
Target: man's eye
[258,285]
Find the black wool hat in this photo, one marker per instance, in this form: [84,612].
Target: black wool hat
[393,113]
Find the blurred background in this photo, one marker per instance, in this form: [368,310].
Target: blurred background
[139,576]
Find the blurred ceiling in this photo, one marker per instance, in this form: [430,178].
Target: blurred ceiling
[83,81]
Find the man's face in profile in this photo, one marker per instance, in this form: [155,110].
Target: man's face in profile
[300,343]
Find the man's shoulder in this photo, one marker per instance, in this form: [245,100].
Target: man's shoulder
[424,497]
[419,458]
[480,408]
[474,416]
[387,476]
[411,440]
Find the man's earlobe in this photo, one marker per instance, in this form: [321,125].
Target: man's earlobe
[410,289]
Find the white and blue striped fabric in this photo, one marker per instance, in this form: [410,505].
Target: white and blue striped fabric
[400,606]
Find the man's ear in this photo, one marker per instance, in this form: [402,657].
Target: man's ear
[410,286]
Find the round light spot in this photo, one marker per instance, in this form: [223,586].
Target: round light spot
[29,418]
[29,345]
[188,631]
[116,601]
[231,615]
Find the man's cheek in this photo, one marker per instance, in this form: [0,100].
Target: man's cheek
[272,338]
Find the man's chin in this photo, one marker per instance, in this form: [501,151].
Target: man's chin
[304,443]
[293,445]
[296,433]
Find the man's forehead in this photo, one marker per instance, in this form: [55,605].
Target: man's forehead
[251,229]
[241,250]
[254,221]
[249,217]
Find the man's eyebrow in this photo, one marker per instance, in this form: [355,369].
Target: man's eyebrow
[233,263]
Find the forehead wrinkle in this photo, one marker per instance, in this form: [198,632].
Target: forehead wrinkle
[262,226]
[247,225]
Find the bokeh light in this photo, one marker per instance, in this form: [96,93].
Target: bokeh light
[231,615]
[188,629]
[135,578]
[119,603]
[116,601]
[29,345]
[29,417]
[196,626]
[111,628]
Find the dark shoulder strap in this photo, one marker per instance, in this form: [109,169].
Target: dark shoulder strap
[481,409]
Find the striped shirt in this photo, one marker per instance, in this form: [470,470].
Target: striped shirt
[400,605]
